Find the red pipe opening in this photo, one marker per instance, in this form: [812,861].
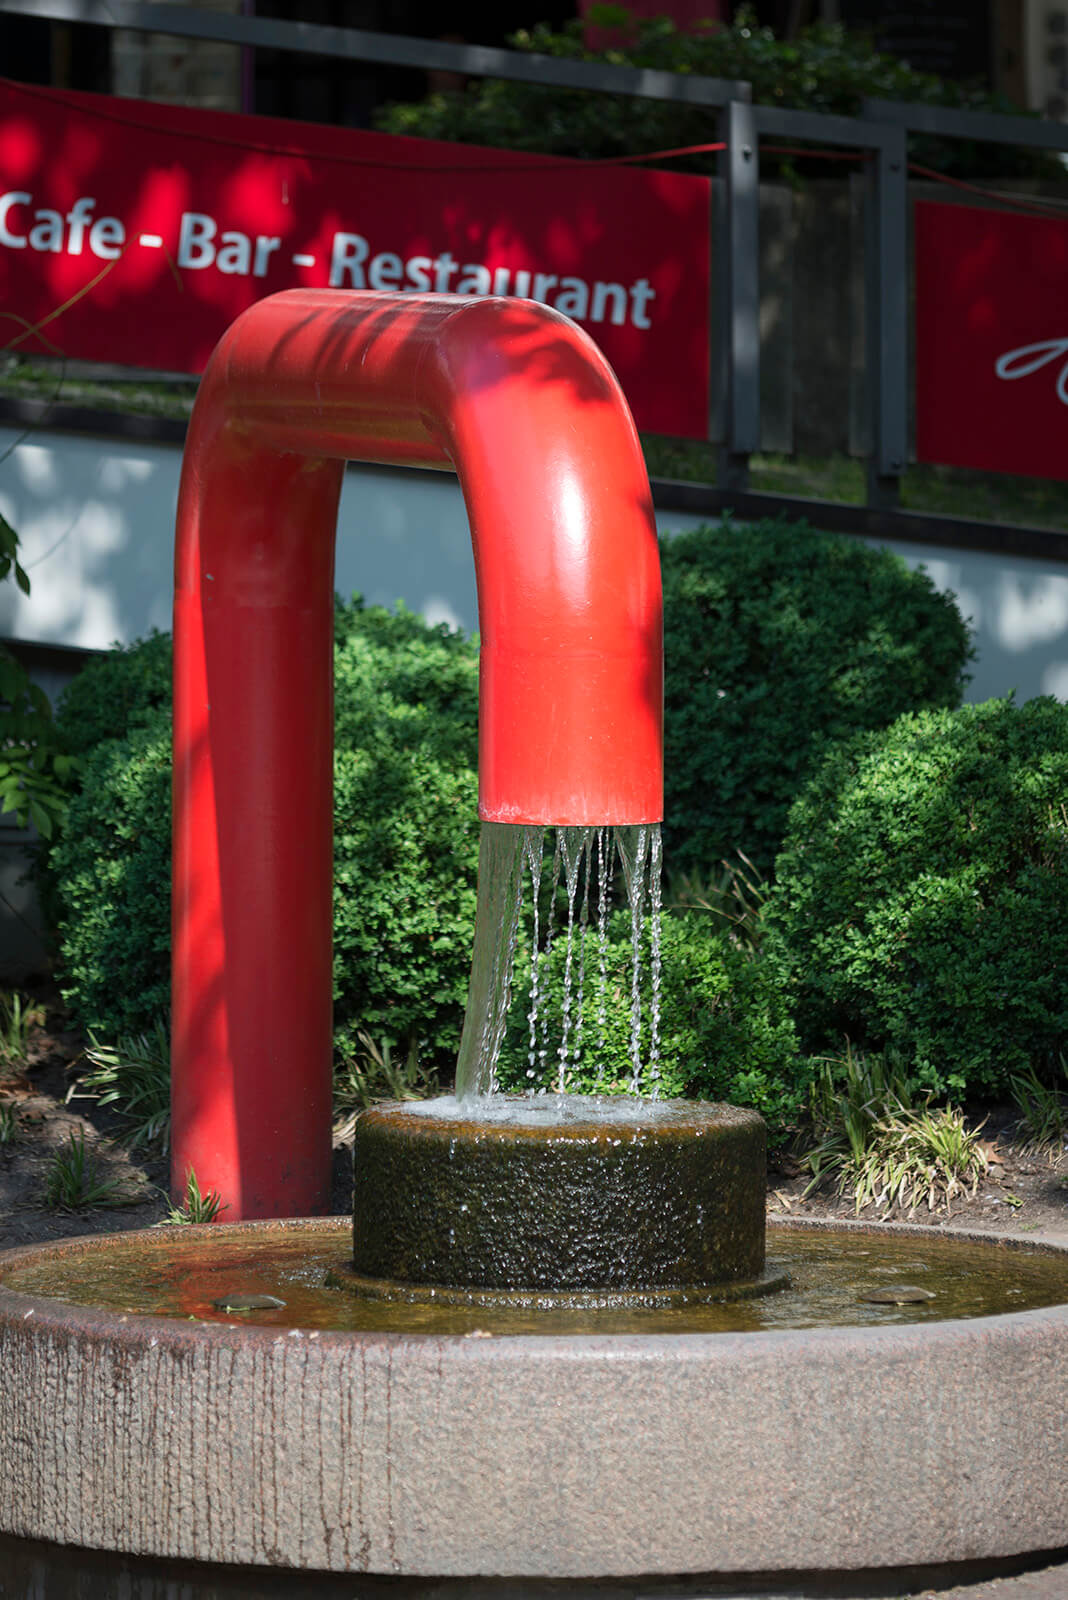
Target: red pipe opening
[520,403]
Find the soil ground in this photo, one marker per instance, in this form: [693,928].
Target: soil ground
[1025,1192]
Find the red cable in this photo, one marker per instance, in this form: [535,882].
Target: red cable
[1006,200]
[820,155]
[550,164]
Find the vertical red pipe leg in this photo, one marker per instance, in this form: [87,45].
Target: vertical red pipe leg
[253,788]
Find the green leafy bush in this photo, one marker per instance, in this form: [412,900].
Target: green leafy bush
[826,68]
[922,896]
[114,693]
[725,1032]
[779,641]
[107,883]
[405,845]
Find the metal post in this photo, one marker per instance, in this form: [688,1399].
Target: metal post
[740,293]
[886,317]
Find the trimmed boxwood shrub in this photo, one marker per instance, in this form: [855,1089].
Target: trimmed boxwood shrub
[922,895]
[116,692]
[107,878]
[725,1031]
[406,835]
[780,640]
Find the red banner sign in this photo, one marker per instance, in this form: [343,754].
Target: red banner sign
[991,340]
[135,233]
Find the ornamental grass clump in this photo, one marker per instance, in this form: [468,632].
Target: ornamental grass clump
[878,1148]
[1043,1108]
[134,1076]
[20,1017]
[74,1182]
[196,1208]
[918,1157]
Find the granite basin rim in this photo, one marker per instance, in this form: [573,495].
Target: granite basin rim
[676,1453]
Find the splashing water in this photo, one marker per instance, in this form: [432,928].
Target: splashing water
[582,867]
[570,846]
[633,847]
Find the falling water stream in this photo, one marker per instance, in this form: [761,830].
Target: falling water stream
[510,874]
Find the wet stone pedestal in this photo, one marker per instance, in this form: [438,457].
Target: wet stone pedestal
[558,1200]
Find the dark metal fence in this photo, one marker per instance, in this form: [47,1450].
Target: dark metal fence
[880,134]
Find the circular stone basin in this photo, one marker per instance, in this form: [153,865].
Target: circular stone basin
[574,1195]
[265,1438]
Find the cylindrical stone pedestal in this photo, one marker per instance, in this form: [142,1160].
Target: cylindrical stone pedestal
[570,1196]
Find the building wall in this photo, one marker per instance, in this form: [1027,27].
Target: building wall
[96,522]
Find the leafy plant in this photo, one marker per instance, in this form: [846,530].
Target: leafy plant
[19,1016]
[108,884]
[115,692]
[921,901]
[850,1096]
[1043,1108]
[370,1075]
[135,1077]
[780,641]
[405,837]
[195,1207]
[734,899]
[725,1034]
[9,1124]
[918,1157]
[878,1147]
[73,1181]
[825,68]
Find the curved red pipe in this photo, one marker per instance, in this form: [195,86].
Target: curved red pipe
[521,404]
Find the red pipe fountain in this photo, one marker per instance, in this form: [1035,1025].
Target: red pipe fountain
[355,1422]
[520,403]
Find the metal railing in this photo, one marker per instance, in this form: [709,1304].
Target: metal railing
[881,133]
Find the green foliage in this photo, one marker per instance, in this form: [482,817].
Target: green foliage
[779,641]
[734,898]
[405,843]
[725,1033]
[114,693]
[196,1208]
[19,1017]
[134,1076]
[10,1130]
[850,1096]
[881,1149]
[371,1074]
[825,69]
[922,895]
[73,1181]
[9,559]
[406,832]
[108,883]
[926,1156]
[1043,1108]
